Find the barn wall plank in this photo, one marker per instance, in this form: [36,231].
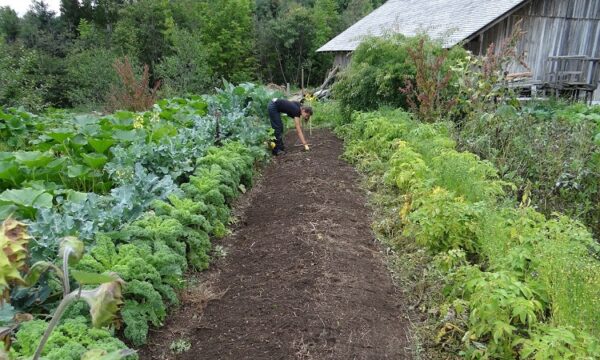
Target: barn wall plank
[552,27]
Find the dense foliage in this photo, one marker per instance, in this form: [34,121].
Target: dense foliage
[382,66]
[499,252]
[144,191]
[65,60]
[517,284]
[551,151]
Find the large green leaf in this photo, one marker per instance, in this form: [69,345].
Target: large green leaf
[123,115]
[27,197]
[125,135]
[167,114]
[101,145]
[7,313]
[95,161]
[85,121]
[79,141]
[77,171]
[56,163]
[34,159]
[8,169]
[61,134]
[76,196]
[6,210]
[121,120]
[40,185]
[7,156]
[98,354]
[201,106]
[163,131]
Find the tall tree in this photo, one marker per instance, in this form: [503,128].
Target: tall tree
[355,11]
[327,22]
[106,12]
[71,12]
[145,28]
[227,33]
[326,19]
[9,24]
[293,34]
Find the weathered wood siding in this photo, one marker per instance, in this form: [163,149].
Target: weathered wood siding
[342,59]
[553,28]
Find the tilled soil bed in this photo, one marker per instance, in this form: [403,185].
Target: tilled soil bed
[302,276]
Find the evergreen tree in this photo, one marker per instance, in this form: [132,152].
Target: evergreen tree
[9,24]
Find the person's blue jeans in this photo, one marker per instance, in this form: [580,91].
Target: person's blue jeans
[277,125]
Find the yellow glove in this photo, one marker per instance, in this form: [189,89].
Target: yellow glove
[306,148]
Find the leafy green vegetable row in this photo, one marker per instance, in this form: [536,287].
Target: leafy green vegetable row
[152,253]
[168,195]
[517,284]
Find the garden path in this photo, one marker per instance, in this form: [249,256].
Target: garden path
[302,278]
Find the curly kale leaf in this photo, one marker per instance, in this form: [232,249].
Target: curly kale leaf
[127,260]
[159,228]
[199,247]
[68,341]
[143,305]
[169,264]
[187,211]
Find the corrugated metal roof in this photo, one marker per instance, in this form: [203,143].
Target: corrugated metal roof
[448,20]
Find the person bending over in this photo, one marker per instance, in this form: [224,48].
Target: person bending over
[292,109]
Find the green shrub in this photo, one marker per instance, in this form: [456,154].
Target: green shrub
[90,75]
[466,175]
[500,305]
[187,70]
[407,169]
[375,75]
[441,221]
[143,306]
[23,81]
[519,285]
[548,151]
[380,67]
[548,342]
[150,276]
[326,114]
[570,275]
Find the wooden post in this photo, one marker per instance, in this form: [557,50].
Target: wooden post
[302,82]
[287,89]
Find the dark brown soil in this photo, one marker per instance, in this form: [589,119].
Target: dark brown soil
[303,277]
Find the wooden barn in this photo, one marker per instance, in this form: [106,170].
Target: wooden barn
[561,45]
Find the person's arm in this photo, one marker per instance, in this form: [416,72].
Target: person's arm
[300,133]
